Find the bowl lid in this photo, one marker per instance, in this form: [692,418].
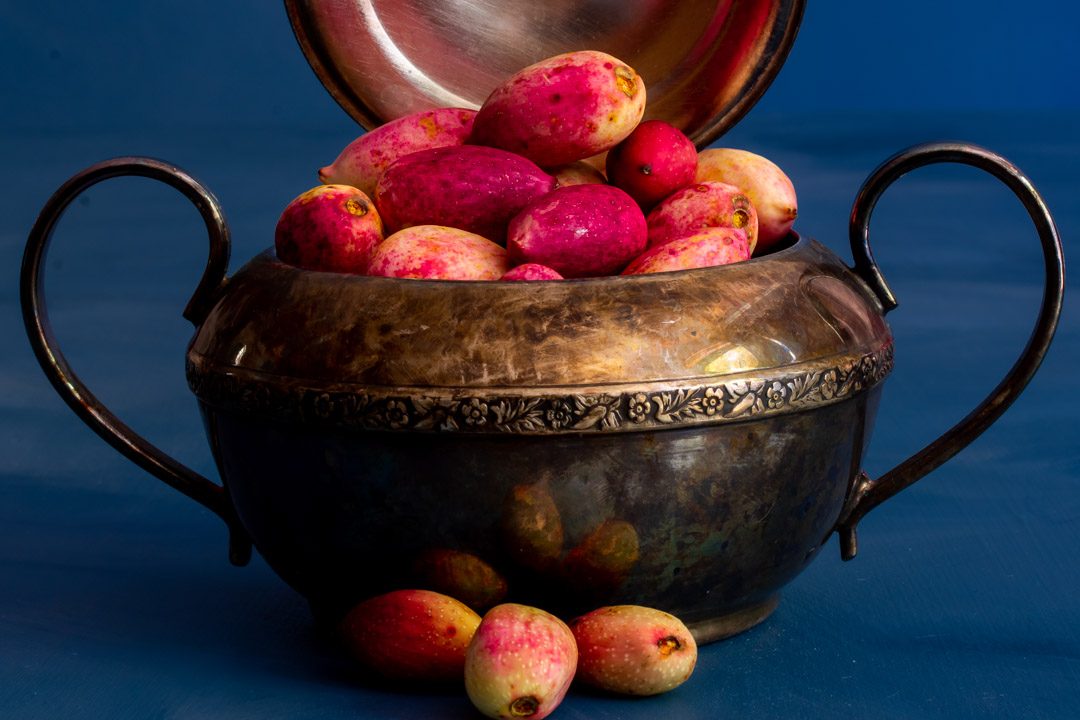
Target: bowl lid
[705,62]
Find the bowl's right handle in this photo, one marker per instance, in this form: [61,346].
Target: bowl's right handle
[867,493]
[64,380]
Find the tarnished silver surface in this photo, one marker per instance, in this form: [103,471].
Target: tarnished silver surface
[705,62]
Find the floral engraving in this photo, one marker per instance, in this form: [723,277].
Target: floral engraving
[524,413]
[640,407]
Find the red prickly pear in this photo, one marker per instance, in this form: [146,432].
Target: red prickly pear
[699,206]
[433,252]
[520,663]
[579,231]
[334,228]
[565,108]
[411,634]
[478,189]
[711,246]
[769,189]
[633,650]
[531,271]
[652,162]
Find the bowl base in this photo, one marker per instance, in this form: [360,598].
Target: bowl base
[725,626]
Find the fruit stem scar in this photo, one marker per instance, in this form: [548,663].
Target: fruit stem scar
[668,645]
[524,706]
[624,78]
[355,207]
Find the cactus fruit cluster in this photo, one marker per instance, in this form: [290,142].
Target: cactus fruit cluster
[555,176]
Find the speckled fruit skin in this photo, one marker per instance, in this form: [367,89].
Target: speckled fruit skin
[531,271]
[577,173]
[769,189]
[365,158]
[580,231]
[520,663]
[411,635]
[566,108]
[434,252]
[633,650]
[652,162]
[473,188]
[699,206]
[460,575]
[333,228]
[712,246]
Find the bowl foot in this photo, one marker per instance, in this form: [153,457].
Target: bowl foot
[724,626]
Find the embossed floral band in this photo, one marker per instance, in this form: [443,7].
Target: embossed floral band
[542,411]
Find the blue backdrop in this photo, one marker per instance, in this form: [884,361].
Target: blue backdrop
[170,63]
[116,599]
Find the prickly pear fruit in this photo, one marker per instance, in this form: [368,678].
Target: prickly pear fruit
[531,271]
[577,173]
[579,231]
[699,206]
[411,634]
[565,108]
[433,252]
[460,575]
[652,162]
[711,246]
[532,527]
[364,159]
[478,189]
[520,662]
[769,189]
[333,228]
[633,650]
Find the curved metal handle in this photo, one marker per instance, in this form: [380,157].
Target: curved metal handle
[866,494]
[68,385]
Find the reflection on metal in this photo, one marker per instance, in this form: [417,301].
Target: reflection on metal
[705,62]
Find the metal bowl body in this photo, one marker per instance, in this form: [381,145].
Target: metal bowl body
[684,440]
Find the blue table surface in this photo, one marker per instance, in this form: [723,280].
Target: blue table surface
[116,596]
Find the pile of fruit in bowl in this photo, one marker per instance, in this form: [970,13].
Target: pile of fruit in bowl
[555,176]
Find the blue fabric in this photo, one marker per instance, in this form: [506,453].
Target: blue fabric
[116,598]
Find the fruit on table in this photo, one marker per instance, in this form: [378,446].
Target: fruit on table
[633,650]
[579,231]
[699,206]
[435,252]
[364,159]
[531,271]
[711,246]
[333,228]
[460,575]
[411,634]
[473,188]
[655,160]
[770,190]
[519,663]
[565,108]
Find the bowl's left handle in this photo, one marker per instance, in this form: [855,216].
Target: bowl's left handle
[68,385]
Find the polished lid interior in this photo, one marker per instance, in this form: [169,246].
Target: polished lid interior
[705,62]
